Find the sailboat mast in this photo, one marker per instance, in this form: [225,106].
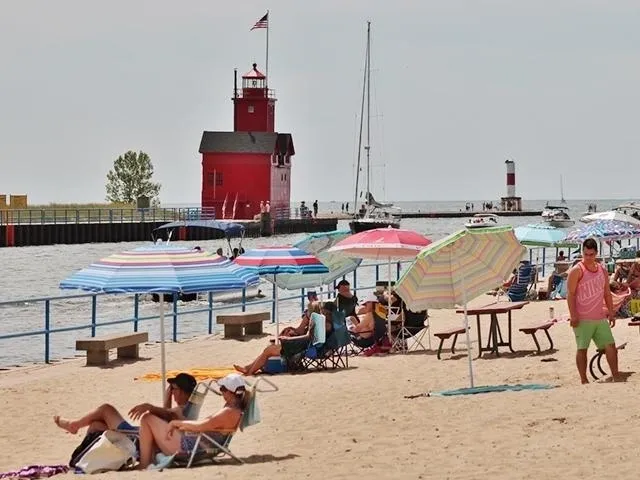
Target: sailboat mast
[367,147]
[562,200]
[364,87]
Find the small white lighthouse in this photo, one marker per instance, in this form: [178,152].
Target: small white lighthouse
[511,202]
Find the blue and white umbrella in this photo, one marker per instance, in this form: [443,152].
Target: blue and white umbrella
[161,269]
[275,261]
[604,230]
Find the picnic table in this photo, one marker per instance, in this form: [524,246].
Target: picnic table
[495,339]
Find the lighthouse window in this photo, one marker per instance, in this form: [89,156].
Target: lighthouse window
[250,109]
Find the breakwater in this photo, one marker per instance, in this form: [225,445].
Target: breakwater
[25,234]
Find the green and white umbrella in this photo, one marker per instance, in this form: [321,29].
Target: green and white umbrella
[459,268]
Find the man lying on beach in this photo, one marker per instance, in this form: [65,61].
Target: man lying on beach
[106,417]
[275,349]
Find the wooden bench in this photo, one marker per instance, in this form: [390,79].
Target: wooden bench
[98,347]
[237,325]
[533,329]
[597,359]
[447,334]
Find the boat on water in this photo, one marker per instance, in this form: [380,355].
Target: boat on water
[631,208]
[482,220]
[557,217]
[372,214]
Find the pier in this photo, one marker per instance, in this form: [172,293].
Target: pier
[28,227]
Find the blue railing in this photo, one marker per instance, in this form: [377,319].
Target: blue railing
[48,302]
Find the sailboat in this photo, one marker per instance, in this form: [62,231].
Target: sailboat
[372,214]
[558,216]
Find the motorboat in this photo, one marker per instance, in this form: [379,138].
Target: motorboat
[481,220]
[631,208]
[375,215]
[550,210]
[559,218]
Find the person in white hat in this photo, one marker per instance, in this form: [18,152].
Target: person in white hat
[157,434]
[362,323]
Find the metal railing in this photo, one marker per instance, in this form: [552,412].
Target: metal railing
[103,215]
[49,329]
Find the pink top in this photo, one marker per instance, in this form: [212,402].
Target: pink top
[590,294]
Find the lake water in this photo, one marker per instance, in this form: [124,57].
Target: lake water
[32,272]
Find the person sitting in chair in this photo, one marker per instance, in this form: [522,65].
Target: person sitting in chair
[169,437]
[106,417]
[363,322]
[275,349]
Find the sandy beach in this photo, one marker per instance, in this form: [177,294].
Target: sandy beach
[356,422]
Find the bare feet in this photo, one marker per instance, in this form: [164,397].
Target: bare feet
[65,424]
[240,369]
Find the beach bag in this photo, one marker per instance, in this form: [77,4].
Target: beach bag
[88,440]
[112,451]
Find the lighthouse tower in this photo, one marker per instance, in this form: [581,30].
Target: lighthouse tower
[511,202]
[251,164]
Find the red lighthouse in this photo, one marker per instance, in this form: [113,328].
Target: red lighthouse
[251,164]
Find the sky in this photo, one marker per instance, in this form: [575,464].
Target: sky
[458,87]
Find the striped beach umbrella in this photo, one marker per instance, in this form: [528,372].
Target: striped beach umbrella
[383,244]
[161,269]
[458,268]
[604,230]
[317,243]
[280,260]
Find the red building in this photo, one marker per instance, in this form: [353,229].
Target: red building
[252,163]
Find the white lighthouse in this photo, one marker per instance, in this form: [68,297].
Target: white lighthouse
[511,202]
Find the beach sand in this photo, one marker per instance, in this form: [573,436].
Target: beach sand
[356,422]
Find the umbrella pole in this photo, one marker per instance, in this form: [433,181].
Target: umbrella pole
[466,328]
[276,309]
[163,366]
[389,302]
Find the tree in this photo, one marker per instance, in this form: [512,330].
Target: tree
[130,179]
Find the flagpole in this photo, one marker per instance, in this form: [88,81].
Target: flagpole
[266,63]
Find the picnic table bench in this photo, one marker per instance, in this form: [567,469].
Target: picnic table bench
[97,348]
[237,325]
[533,329]
[447,334]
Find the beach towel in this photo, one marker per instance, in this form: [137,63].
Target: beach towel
[36,471]
[484,389]
[199,373]
[319,329]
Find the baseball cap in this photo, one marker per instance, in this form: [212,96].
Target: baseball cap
[184,382]
[370,298]
[232,382]
[342,283]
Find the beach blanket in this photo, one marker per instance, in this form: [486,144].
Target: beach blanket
[36,471]
[484,389]
[199,373]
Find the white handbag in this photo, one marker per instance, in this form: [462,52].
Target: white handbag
[111,451]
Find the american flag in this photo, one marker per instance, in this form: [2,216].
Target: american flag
[262,23]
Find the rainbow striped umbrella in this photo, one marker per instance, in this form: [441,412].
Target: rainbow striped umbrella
[278,260]
[161,269]
[458,268]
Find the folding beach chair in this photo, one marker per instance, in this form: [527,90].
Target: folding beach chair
[334,352]
[359,344]
[415,325]
[207,448]
[524,283]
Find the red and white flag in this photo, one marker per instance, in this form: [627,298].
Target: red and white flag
[262,23]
